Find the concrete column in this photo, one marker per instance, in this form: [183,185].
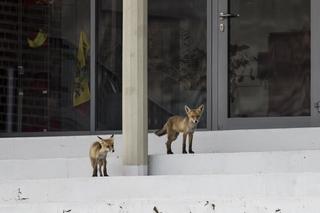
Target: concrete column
[134,87]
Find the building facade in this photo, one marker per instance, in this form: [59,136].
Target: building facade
[99,66]
[253,64]
[74,69]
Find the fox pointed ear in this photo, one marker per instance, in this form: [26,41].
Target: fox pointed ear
[100,138]
[112,136]
[201,108]
[187,109]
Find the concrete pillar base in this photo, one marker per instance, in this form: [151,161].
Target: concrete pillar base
[136,170]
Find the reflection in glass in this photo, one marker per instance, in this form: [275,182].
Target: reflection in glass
[44,65]
[269,58]
[177,57]
[109,65]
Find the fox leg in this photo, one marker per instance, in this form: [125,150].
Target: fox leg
[105,167]
[190,143]
[184,150]
[100,167]
[168,144]
[171,138]
[94,163]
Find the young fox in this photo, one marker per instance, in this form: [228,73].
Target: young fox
[186,125]
[98,154]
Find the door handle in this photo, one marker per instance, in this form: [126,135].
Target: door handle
[223,15]
[317,106]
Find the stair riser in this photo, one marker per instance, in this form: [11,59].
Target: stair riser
[162,187]
[235,163]
[236,205]
[198,164]
[55,168]
[204,142]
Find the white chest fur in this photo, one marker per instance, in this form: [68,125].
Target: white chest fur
[191,127]
[102,155]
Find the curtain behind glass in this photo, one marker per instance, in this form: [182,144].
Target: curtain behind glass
[44,65]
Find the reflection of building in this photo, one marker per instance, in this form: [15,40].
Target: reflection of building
[176,59]
[286,68]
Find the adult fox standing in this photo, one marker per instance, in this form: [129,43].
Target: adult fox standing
[98,155]
[186,125]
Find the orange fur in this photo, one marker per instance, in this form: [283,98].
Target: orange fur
[178,124]
[98,155]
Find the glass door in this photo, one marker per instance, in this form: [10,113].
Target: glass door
[264,64]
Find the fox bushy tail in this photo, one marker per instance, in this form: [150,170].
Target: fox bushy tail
[161,132]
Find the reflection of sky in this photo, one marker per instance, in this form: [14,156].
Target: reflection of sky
[260,18]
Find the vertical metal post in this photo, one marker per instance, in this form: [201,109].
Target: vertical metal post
[10,86]
[20,67]
[92,65]
[214,44]
[210,68]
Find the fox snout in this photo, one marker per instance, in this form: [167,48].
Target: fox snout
[194,120]
[106,149]
[110,149]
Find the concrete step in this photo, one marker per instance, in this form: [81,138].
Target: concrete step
[161,187]
[177,164]
[258,193]
[204,142]
[55,168]
[49,147]
[235,163]
[232,205]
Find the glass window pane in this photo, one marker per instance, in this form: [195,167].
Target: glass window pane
[44,65]
[269,58]
[109,65]
[177,58]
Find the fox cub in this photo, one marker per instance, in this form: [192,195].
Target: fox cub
[98,155]
[186,125]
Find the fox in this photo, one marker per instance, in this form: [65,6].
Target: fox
[179,124]
[98,155]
